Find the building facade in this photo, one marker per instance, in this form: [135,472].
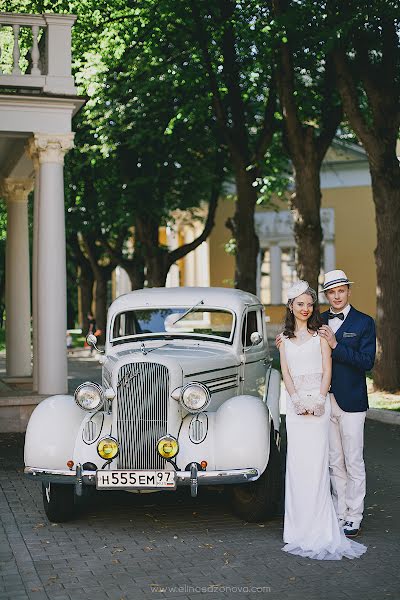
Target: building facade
[38,99]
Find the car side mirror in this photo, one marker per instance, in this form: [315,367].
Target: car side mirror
[256,338]
[92,341]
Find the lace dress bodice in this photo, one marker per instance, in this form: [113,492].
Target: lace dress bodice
[305,363]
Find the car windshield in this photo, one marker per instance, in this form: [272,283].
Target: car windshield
[172,322]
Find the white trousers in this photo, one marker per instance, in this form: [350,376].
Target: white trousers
[346,462]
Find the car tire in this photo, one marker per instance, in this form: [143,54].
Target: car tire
[58,501]
[259,500]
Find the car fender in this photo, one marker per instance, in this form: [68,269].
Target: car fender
[51,432]
[273,395]
[242,434]
[86,450]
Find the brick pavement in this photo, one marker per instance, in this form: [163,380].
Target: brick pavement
[123,544]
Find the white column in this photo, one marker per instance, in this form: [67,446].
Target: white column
[259,265]
[123,283]
[51,264]
[275,254]
[204,259]
[201,260]
[18,309]
[329,256]
[190,266]
[173,274]
[32,152]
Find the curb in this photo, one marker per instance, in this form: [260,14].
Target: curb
[384,415]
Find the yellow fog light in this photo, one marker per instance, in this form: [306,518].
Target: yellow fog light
[167,446]
[108,448]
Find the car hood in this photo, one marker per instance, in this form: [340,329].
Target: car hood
[193,359]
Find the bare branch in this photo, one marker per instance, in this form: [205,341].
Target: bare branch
[182,251]
[285,76]
[231,74]
[218,104]
[349,94]
[332,114]
[269,125]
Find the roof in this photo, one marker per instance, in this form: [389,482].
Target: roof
[344,151]
[185,296]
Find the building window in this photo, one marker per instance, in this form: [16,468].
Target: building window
[278,272]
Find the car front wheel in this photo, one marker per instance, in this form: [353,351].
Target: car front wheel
[259,500]
[58,501]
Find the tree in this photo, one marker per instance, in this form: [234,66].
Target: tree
[312,113]
[367,61]
[161,160]
[228,38]
[216,59]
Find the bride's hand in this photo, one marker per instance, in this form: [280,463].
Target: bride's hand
[319,407]
[299,407]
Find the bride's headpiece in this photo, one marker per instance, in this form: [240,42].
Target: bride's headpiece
[296,289]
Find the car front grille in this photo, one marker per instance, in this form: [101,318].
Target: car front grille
[142,401]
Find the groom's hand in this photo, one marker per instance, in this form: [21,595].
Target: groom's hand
[326,332]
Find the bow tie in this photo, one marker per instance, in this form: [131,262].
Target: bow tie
[332,315]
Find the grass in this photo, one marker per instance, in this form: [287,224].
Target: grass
[380,399]
[2,339]
[78,340]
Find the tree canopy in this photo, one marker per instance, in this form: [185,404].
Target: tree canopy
[183,94]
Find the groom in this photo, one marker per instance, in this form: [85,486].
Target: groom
[351,335]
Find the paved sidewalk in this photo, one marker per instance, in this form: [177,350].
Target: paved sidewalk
[123,544]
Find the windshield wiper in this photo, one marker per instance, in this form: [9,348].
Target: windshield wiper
[187,312]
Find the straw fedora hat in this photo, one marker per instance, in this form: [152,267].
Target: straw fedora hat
[334,279]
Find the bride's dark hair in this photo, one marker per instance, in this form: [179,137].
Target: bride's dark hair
[313,323]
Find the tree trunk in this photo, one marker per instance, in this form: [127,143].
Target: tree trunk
[386,194]
[379,136]
[157,268]
[85,282]
[243,229]
[155,257]
[306,202]
[135,269]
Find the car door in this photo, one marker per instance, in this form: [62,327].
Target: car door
[254,356]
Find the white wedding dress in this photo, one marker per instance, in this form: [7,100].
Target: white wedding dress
[311,526]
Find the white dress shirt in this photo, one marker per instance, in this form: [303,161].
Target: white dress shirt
[334,324]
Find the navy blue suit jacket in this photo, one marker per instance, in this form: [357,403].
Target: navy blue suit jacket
[352,357]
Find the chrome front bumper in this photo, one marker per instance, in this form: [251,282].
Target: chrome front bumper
[192,478]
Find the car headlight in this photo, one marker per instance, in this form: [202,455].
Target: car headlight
[195,397]
[107,448]
[167,446]
[89,396]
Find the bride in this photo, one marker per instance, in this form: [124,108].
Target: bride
[311,526]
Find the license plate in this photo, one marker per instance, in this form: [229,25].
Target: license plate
[135,479]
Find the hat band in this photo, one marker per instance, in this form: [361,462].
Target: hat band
[342,280]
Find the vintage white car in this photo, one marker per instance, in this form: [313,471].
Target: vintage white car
[188,398]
